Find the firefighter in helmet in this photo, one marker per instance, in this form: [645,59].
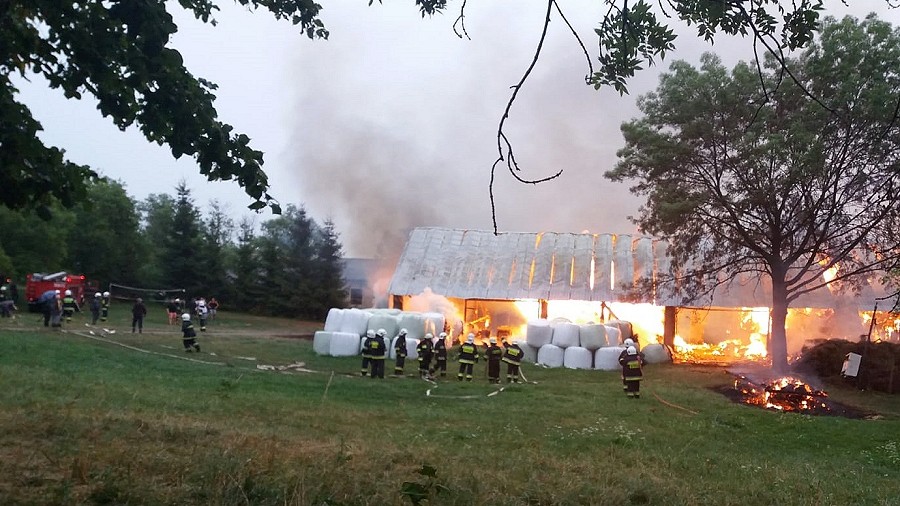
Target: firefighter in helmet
[400,352]
[69,306]
[632,373]
[440,354]
[188,334]
[425,350]
[94,305]
[377,349]
[468,355]
[366,356]
[493,354]
[513,358]
[626,343]
[104,307]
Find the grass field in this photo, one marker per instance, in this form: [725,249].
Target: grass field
[135,420]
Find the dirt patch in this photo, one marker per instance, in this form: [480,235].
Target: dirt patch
[306,337]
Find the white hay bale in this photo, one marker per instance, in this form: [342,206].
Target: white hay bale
[383,310]
[538,333]
[551,355]
[613,335]
[607,359]
[383,321]
[334,319]
[626,331]
[410,348]
[593,336]
[434,323]
[576,357]
[656,354]
[322,342]
[414,323]
[529,352]
[343,344]
[355,321]
[565,334]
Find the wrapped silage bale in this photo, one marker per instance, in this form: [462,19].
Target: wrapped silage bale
[387,322]
[626,331]
[656,354]
[322,342]
[529,352]
[607,359]
[538,333]
[414,323]
[334,319]
[355,321]
[565,334]
[592,335]
[613,335]
[410,349]
[343,344]
[434,323]
[551,355]
[576,357]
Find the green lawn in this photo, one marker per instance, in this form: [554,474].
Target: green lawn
[85,421]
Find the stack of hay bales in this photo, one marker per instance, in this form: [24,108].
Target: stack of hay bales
[345,330]
[563,344]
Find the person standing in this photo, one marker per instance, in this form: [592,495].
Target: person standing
[104,307]
[172,311]
[202,313]
[94,305]
[440,354]
[138,312]
[377,350]
[628,342]
[468,355]
[513,358]
[493,354]
[55,311]
[213,308]
[4,298]
[632,374]
[425,350]
[400,353]
[69,306]
[188,335]
[366,356]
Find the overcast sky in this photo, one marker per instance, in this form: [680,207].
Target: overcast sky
[391,122]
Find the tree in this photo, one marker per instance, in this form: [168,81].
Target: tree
[247,289]
[156,213]
[104,242]
[182,257]
[216,238]
[327,274]
[121,54]
[761,180]
[34,244]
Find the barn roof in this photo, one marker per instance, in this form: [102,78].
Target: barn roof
[477,264]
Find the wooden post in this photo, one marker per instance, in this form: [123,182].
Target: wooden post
[543,309]
[669,313]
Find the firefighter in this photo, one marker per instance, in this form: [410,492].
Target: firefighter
[366,357]
[4,297]
[138,312]
[513,358]
[377,351]
[188,335]
[400,352]
[425,350]
[468,355]
[104,307]
[628,342]
[202,313]
[69,306]
[94,305]
[631,372]
[493,354]
[440,355]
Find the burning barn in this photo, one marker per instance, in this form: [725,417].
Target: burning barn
[495,284]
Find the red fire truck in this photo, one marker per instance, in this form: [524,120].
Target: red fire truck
[38,283]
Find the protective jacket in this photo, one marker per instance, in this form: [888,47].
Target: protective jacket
[468,353]
[440,350]
[631,367]
[513,354]
[400,346]
[376,348]
[424,350]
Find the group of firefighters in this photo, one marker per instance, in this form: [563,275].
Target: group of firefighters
[375,351]
[432,356]
[62,305]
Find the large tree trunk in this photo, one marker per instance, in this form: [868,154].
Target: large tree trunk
[778,338]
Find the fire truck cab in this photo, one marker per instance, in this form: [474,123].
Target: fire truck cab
[37,284]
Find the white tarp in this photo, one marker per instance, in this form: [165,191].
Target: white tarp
[592,335]
[538,333]
[656,354]
[322,342]
[607,359]
[577,357]
[355,321]
[613,336]
[414,323]
[434,323]
[334,319]
[565,334]
[550,355]
[384,321]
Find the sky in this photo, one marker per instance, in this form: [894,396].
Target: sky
[391,123]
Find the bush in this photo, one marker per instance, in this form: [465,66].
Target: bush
[879,370]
